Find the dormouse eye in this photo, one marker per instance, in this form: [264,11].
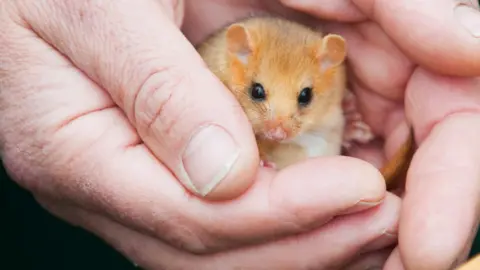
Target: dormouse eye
[305,96]
[257,92]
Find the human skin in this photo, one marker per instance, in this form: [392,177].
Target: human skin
[99,100]
[404,70]
[91,96]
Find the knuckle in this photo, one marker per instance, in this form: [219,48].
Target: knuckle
[184,238]
[160,102]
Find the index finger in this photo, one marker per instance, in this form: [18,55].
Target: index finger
[278,204]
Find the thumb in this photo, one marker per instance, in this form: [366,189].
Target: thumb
[182,112]
[442,35]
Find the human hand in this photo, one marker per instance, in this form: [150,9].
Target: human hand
[92,93]
[404,56]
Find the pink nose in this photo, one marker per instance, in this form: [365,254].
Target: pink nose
[278,133]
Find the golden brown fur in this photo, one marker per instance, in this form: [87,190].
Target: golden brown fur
[285,57]
[284,61]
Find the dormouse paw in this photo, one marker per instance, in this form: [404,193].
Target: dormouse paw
[267,164]
[356,130]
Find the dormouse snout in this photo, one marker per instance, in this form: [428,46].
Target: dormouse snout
[276,134]
[276,129]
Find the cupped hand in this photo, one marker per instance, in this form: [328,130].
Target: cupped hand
[113,122]
[416,62]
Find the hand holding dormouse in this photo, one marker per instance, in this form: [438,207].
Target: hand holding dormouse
[403,70]
[111,119]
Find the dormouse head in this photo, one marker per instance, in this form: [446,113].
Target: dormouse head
[287,77]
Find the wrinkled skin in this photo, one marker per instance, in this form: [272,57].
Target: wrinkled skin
[92,91]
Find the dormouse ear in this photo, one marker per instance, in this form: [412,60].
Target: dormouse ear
[239,42]
[333,51]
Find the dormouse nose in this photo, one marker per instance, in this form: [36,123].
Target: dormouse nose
[276,129]
[275,123]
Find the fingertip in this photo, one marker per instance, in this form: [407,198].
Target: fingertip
[365,178]
[342,184]
[369,179]
[240,178]
[220,162]
[415,30]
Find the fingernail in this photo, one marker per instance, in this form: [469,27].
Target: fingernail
[469,17]
[208,158]
[360,206]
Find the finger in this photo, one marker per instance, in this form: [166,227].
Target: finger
[414,28]
[188,119]
[441,199]
[96,162]
[326,248]
[339,10]
[284,204]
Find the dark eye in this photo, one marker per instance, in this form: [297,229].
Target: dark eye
[257,92]
[305,96]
